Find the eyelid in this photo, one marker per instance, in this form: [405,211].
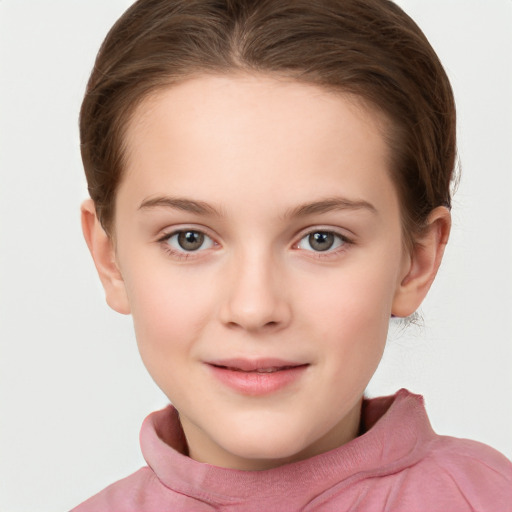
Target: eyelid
[167,233]
[345,234]
[338,232]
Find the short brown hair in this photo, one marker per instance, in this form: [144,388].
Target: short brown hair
[369,48]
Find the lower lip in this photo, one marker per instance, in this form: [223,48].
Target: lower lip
[256,384]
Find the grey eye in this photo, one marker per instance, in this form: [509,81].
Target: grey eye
[189,241]
[321,241]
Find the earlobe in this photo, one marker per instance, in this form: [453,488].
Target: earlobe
[422,265]
[102,251]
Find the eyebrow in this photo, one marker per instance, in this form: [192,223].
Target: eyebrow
[330,204]
[203,208]
[178,203]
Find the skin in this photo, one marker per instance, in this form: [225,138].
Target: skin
[257,164]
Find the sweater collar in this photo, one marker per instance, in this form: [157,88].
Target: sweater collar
[396,436]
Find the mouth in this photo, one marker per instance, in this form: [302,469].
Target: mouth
[271,369]
[257,377]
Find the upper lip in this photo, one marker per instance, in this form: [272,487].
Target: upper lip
[249,365]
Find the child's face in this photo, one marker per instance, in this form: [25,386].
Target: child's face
[257,228]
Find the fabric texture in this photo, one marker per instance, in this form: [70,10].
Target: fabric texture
[398,464]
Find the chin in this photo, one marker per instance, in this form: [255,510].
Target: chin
[258,452]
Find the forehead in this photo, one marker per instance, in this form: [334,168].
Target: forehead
[224,137]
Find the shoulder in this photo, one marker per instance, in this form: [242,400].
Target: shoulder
[428,472]
[141,490]
[468,472]
[466,458]
[127,494]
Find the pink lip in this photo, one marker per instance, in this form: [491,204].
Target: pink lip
[256,377]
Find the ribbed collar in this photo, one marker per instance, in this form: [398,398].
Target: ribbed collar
[396,437]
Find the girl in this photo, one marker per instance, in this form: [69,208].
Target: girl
[270,183]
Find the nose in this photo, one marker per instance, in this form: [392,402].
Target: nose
[255,297]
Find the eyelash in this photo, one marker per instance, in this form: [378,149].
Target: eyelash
[328,253]
[182,254]
[346,242]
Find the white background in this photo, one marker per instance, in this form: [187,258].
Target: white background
[73,392]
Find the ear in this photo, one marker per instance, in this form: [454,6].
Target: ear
[422,263]
[103,253]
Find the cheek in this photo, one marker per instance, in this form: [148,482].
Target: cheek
[168,312]
[352,319]
[358,296]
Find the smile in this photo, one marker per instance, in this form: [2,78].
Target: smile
[258,370]
[256,378]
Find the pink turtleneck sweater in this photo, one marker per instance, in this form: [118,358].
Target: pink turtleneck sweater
[398,464]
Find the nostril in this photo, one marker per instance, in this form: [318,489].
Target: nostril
[268,325]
